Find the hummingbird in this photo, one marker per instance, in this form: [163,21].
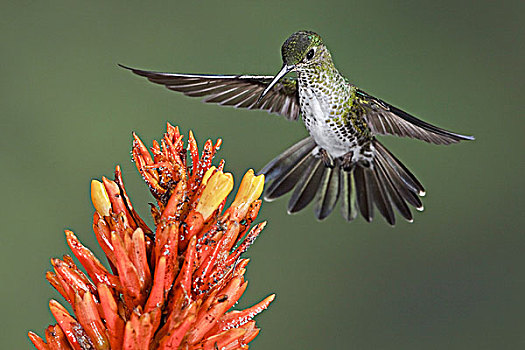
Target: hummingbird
[341,157]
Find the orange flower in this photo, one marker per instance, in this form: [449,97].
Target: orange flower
[168,288]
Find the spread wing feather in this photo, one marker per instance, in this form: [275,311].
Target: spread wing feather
[240,91]
[384,119]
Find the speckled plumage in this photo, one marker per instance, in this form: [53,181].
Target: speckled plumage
[328,110]
[342,157]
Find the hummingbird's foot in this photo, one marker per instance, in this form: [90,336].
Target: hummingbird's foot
[347,162]
[327,159]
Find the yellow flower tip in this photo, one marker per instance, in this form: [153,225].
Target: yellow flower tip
[250,190]
[207,175]
[100,198]
[218,186]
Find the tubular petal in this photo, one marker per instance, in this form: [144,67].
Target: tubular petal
[220,340]
[88,317]
[130,279]
[139,258]
[100,198]
[93,267]
[234,319]
[157,291]
[77,337]
[217,189]
[114,324]
[37,341]
[250,190]
[56,338]
[173,339]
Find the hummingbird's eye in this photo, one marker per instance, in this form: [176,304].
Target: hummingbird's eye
[310,54]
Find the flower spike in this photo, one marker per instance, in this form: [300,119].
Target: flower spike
[168,287]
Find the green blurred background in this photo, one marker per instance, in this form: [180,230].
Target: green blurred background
[453,279]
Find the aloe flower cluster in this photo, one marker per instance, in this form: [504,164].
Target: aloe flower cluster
[170,287]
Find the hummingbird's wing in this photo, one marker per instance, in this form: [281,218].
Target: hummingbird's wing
[384,118]
[240,91]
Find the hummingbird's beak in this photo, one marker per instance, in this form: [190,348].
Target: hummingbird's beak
[285,70]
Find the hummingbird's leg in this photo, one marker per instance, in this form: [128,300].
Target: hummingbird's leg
[327,159]
[347,162]
[366,154]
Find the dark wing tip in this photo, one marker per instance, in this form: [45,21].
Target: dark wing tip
[427,126]
[466,137]
[454,137]
[125,67]
[140,72]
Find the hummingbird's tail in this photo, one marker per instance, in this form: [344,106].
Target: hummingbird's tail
[384,183]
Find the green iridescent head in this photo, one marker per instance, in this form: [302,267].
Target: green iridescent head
[300,47]
[300,50]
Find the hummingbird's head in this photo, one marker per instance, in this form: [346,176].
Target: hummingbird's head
[301,48]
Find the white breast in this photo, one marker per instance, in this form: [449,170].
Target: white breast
[316,111]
